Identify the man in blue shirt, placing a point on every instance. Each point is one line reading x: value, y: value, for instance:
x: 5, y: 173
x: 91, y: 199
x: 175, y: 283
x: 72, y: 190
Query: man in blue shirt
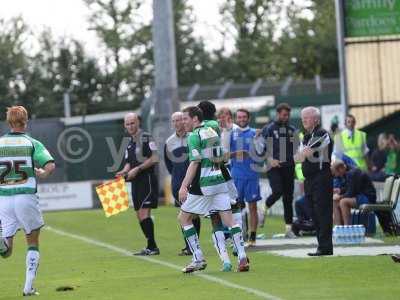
x: 244, y: 167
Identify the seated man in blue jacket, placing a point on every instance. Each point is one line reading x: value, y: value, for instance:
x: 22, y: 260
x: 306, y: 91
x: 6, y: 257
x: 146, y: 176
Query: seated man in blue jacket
x: 357, y: 190
x: 339, y: 184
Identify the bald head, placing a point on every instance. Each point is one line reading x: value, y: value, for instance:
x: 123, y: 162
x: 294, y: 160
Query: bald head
x: 177, y: 122
x: 310, y: 117
x: 131, y: 115
x: 131, y: 123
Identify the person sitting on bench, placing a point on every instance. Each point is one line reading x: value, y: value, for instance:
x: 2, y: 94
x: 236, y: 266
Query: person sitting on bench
x: 358, y: 190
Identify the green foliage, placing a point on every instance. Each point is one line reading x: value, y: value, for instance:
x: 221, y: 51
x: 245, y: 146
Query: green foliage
x: 309, y: 43
x: 126, y: 40
x: 271, y: 38
x: 194, y: 63
x: 306, y: 46
x: 13, y: 62
x: 253, y: 32
x: 64, y: 67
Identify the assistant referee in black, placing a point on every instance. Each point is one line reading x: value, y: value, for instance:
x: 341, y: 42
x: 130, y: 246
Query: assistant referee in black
x: 315, y: 155
x: 141, y: 157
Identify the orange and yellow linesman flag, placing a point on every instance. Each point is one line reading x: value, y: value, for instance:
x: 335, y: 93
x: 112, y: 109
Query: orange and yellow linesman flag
x: 113, y: 196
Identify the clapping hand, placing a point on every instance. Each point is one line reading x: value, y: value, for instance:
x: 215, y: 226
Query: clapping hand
x: 307, y: 152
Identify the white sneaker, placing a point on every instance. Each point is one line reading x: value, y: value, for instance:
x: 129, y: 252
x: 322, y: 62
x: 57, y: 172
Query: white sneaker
x: 32, y: 292
x: 195, y: 266
x: 290, y: 235
x: 250, y: 244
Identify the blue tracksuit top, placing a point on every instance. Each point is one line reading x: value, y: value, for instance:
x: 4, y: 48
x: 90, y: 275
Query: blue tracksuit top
x: 243, y: 139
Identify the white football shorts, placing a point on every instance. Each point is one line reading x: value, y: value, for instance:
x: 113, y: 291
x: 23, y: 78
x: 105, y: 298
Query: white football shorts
x: 20, y: 212
x: 203, y: 205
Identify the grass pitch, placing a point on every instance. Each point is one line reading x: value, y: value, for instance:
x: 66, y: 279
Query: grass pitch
x: 73, y: 268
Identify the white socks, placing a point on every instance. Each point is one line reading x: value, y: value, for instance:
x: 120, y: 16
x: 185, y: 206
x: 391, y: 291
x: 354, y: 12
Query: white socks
x: 237, y: 218
x: 32, y: 264
x: 3, y: 242
x: 218, y: 238
x: 193, y: 242
x: 237, y: 237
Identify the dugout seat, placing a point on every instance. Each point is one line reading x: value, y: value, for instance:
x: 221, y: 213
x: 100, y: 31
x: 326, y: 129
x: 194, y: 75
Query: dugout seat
x: 391, y: 193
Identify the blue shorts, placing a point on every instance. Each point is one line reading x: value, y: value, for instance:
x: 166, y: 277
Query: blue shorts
x: 248, y: 189
x: 363, y: 199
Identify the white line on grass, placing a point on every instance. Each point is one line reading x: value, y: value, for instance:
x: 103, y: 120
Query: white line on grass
x: 226, y: 283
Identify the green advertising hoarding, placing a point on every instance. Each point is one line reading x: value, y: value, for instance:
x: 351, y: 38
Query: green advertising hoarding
x: 365, y: 18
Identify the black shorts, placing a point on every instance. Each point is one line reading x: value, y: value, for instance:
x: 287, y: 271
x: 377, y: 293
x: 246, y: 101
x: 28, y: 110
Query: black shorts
x: 145, y: 191
x: 226, y: 173
x: 175, y: 194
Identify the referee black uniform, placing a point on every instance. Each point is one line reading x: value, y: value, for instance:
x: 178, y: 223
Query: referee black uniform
x: 145, y: 185
x: 318, y: 186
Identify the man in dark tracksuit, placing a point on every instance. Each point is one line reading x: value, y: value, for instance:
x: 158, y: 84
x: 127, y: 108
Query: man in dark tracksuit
x: 315, y: 154
x: 280, y: 142
x: 177, y: 161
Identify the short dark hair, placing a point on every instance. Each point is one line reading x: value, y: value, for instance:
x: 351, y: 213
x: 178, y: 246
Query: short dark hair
x: 283, y: 106
x: 338, y: 164
x: 245, y: 111
x: 351, y: 116
x: 208, y: 109
x: 194, y: 111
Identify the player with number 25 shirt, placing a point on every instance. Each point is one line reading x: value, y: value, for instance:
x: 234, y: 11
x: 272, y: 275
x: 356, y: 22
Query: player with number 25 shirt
x: 22, y: 160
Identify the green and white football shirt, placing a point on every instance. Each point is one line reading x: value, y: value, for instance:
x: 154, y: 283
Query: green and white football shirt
x: 214, y: 125
x: 205, y: 146
x: 19, y: 154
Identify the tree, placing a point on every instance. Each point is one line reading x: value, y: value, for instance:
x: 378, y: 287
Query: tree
x: 127, y: 41
x: 308, y: 44
x: 13, y: 62
x: 125, y: 33
x: 194, y: 64
x: 63, y: 67
x: 252, y: 24
x: 266, y: 48
x: 138, y: 69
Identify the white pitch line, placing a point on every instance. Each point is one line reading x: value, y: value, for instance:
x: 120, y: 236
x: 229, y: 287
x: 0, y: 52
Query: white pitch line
x: 122, y: 251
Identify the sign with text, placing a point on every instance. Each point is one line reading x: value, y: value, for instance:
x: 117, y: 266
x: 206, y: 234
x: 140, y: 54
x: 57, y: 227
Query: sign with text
x: 64, y: 196
x: 365, y: 18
